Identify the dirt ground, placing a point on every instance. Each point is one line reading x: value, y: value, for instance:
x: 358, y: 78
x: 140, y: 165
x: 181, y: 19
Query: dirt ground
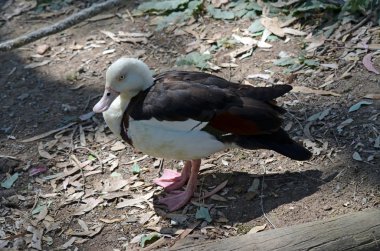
x: 40, y: 99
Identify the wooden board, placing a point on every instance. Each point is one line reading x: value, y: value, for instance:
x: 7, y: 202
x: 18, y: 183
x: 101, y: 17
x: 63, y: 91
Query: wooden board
x: 355, y: 231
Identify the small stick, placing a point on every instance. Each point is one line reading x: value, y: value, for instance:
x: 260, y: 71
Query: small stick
x: 59, y: 26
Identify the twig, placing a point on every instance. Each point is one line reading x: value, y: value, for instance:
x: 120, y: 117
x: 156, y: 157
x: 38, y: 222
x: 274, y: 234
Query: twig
x: 36, y: 198
x: 9, y: 157
x: 366, y: 19
x: 262, y: 200
x: 93, y: 153
x: 59, y: 26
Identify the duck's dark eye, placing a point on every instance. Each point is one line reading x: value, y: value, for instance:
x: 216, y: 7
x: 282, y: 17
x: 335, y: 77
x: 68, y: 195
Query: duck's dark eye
x: 108, y: 93
x: 121, y: 77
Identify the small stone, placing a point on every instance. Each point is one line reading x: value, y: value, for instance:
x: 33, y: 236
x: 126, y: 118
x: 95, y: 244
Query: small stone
x: 327, y: 208
x: 41, y: 49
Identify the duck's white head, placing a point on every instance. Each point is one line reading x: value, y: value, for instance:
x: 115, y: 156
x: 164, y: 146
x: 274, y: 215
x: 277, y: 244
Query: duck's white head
x: 125, y: 77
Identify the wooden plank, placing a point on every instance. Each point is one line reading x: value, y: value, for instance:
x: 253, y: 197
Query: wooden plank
x: 355, y: 231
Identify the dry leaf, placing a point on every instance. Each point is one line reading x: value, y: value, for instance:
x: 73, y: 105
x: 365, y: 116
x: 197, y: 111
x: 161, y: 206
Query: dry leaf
x: 240, y: 51
x: 118, y: 146
x: 111, y: 35
x: 134, y: 201
x: 307, y: 90
x: 372, y: 96
x: 110, y: 221
x: 36, y: 238
x: 114, y: 185
x: 69, y: 243
x: 257, y: 229
x: 294, y: 32
x: 273, y: 25
x: 90, y: 204
x: 367, y: 62
x: 43, y: 153
x: 245, y: 40
x: 43, y: 213
x: 37, y: 64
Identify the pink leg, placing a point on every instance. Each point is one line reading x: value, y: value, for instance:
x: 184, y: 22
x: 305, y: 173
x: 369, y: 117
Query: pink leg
x: 178, y: 199
x: 172, y: 180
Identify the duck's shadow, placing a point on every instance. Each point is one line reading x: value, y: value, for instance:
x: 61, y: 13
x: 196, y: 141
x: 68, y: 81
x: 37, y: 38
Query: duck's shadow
x: 243, y: 205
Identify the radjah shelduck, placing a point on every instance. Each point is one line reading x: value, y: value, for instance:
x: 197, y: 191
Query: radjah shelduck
x: 187, y: 115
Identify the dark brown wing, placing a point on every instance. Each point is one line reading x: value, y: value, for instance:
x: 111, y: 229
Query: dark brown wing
x: 228, y: 107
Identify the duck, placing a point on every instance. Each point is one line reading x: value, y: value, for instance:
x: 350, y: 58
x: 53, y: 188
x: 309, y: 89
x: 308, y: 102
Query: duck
x: 190, y: 115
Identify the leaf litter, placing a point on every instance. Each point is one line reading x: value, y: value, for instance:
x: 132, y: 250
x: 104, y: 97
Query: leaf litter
x: 81, y: 189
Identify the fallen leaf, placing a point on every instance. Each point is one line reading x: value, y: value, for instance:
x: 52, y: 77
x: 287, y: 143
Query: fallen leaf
x: 220, y: 14
x: 43, y: 213
x: 111, y: 221
x: 134, y: 201
x: 68, y: 244
x: 148, y: 239
x: 90, y: 204
x: 358, y: 105
x: 273, y: 25
x: 367, y: 62
x: 343, y: 124
x: 110, y: 35
x: 377, y: 142
x: 8, y: 182
x: 245, y: 40
x: 114, y: 185
x: 37, y: 64
x: 203, y: 214
x: 294, y: 32
x: 257, y: 229
x: 118, y: 146
x: 372, y: 96
x: 307, y: 90
x: 330, y: 66
x: 356, y: 156
x: 259, y: 75
x: 36, y: 238
x: 135, y: 168
x: 240, y: 51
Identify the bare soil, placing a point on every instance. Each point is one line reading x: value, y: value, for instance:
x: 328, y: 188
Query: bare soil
x: 34, y: 101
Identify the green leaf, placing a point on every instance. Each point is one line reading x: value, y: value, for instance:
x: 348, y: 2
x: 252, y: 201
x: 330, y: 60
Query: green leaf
x: 91, y: 157
x: 148, y: 239
x: 357, y: 106
x: 8, y: 183
x: 256, y: 26
x: 311, y: 62
x: 285, y: 61
x: 135, y: 168
x: 203, y: 214
x: 220, y: 14
x: 172, y: 18
x: 195, y: 58
x: 162, y: 6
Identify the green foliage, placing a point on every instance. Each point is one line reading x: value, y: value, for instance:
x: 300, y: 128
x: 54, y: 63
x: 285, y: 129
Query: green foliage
x: 360, y: 6
x: 195, y: 58
x: 163, y: 6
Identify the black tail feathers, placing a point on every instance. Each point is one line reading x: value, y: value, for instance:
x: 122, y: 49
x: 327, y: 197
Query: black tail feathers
x: 278, y: 141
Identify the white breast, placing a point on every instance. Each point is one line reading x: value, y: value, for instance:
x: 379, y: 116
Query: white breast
x: 181, y: 140
x: 114, y: 115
